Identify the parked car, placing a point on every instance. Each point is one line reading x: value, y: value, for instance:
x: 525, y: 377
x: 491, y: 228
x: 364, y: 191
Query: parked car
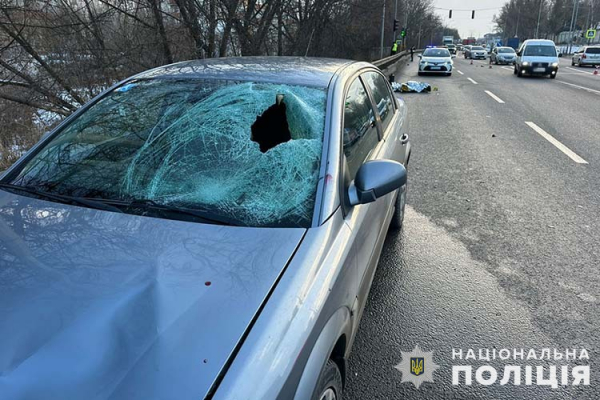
x: 477, y: 52
x: 537, y: 57
x: 152, y: 250
x: 503, y: 55
x: 435, y: 61
x: 586, y: 55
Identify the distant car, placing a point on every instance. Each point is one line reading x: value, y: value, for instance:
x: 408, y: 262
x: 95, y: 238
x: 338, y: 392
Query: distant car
x: 150, y: 250
x: 466, y: 50
x: 477, y: 53
x: 503, y: 55
x: 586, y: 55
x: 537, y: 57
x: 451, y: 48
x: 459, y: 47
x: 436, y: 61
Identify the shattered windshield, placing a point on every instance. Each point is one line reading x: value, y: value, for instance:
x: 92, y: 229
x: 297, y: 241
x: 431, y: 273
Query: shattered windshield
x: 246, y: 151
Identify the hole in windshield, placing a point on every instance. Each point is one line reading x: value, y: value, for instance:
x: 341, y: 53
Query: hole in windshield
x: 189, y: 143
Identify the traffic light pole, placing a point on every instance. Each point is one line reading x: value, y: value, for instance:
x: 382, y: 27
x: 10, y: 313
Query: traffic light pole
x: 382, y: 31
x: 395, y: 20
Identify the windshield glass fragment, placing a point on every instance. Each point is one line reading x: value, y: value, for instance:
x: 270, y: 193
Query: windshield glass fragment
x: 193, y: 144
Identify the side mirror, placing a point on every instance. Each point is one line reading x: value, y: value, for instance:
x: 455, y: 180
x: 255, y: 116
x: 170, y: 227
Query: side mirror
x: 375, y: 179
x: 420, y: 56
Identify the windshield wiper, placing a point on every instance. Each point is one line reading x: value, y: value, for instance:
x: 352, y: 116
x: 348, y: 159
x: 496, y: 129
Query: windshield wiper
x: 100, y: 204
x: 151, y: 204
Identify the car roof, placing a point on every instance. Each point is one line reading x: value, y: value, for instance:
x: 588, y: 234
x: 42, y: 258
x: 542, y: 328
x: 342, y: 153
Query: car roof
x: 306, y: 71
x: 539, y: 42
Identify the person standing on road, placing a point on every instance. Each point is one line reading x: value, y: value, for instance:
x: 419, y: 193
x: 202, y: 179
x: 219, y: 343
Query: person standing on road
x: 412, y: 52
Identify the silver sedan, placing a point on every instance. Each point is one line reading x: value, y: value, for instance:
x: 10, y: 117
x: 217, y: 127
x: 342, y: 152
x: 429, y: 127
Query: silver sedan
x: 204, y: 229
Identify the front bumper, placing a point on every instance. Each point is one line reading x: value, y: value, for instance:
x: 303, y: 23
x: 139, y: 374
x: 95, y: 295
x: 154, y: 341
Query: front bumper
x: 539, y: 70
x: 433, y: 69
x: 506, y: 60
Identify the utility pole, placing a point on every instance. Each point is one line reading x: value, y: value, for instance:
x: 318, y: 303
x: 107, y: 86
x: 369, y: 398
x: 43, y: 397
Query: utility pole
x: 382, y: 31
x: 573, y: 16
x: 537, y: 29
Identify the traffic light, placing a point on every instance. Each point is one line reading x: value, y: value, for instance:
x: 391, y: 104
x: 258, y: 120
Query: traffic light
x: 450, y: 14
x: 473, y: 14
x: 396, y: 25
x: 403, y: 33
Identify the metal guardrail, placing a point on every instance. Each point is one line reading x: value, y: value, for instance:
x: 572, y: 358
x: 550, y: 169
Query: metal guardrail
x: 387, y: 61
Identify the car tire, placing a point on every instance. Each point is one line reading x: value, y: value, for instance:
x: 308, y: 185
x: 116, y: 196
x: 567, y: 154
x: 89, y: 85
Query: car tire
x: 515, y: 70
x: 399, y: 209
x: 329, y: 385
x: 572, y: 63
x: 552, y: 76
x: 520, y: 73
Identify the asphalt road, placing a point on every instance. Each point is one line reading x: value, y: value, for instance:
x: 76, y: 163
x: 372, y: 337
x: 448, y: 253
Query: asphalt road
x: 501, y: 245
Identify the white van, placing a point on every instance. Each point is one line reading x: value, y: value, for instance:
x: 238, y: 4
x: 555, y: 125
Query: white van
x: 537, y: 57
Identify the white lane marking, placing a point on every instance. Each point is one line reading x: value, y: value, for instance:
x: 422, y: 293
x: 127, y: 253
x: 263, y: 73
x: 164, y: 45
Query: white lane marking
x: 493, y: 96
x: 459, y: 72
x: 474, y: 83
x: 580, y: 87
x: 509, y: 69
x: 578, y: 70
x: 556, y: 143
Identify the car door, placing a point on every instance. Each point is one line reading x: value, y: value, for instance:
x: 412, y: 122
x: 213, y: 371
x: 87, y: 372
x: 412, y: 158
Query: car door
x: 361, y: 143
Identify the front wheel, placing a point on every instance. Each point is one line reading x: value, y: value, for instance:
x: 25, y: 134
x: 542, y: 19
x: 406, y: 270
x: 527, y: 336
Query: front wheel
x: 572, y: 63
x: 329, y: 386
x: 552, y: 76
x: 399, y: 209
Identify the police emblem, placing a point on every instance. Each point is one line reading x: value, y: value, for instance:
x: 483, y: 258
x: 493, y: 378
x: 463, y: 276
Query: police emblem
x: 417, y: 366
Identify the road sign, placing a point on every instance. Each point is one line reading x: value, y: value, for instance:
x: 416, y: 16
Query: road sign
x: 590, y: 34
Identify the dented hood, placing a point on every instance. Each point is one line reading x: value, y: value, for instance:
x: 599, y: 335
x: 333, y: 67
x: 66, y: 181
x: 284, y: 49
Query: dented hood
x: 103, y: 305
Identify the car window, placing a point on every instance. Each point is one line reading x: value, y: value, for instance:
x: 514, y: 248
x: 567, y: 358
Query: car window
x: 593, y: 50
x: 476, y: 48
x: 193, y: 144
x: 360, y: 133
x: 381, y: 96
x: 436, y: 53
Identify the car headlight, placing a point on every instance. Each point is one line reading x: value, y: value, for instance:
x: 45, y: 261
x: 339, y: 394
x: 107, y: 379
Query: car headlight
x: 423, y: 62
x: 525, y: 63
x: 555, y: 64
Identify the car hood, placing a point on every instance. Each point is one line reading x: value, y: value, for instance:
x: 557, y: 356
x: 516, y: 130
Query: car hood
x: 437, y: 60
x: 103, y: 305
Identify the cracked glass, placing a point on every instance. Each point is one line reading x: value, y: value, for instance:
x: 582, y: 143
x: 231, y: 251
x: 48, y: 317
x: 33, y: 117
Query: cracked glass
x: 187, y: 143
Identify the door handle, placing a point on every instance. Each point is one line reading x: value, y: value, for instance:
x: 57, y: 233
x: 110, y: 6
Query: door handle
x: 404, y: 139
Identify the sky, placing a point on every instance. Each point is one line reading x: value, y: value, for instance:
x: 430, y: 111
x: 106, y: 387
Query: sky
x: 461, y: 20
